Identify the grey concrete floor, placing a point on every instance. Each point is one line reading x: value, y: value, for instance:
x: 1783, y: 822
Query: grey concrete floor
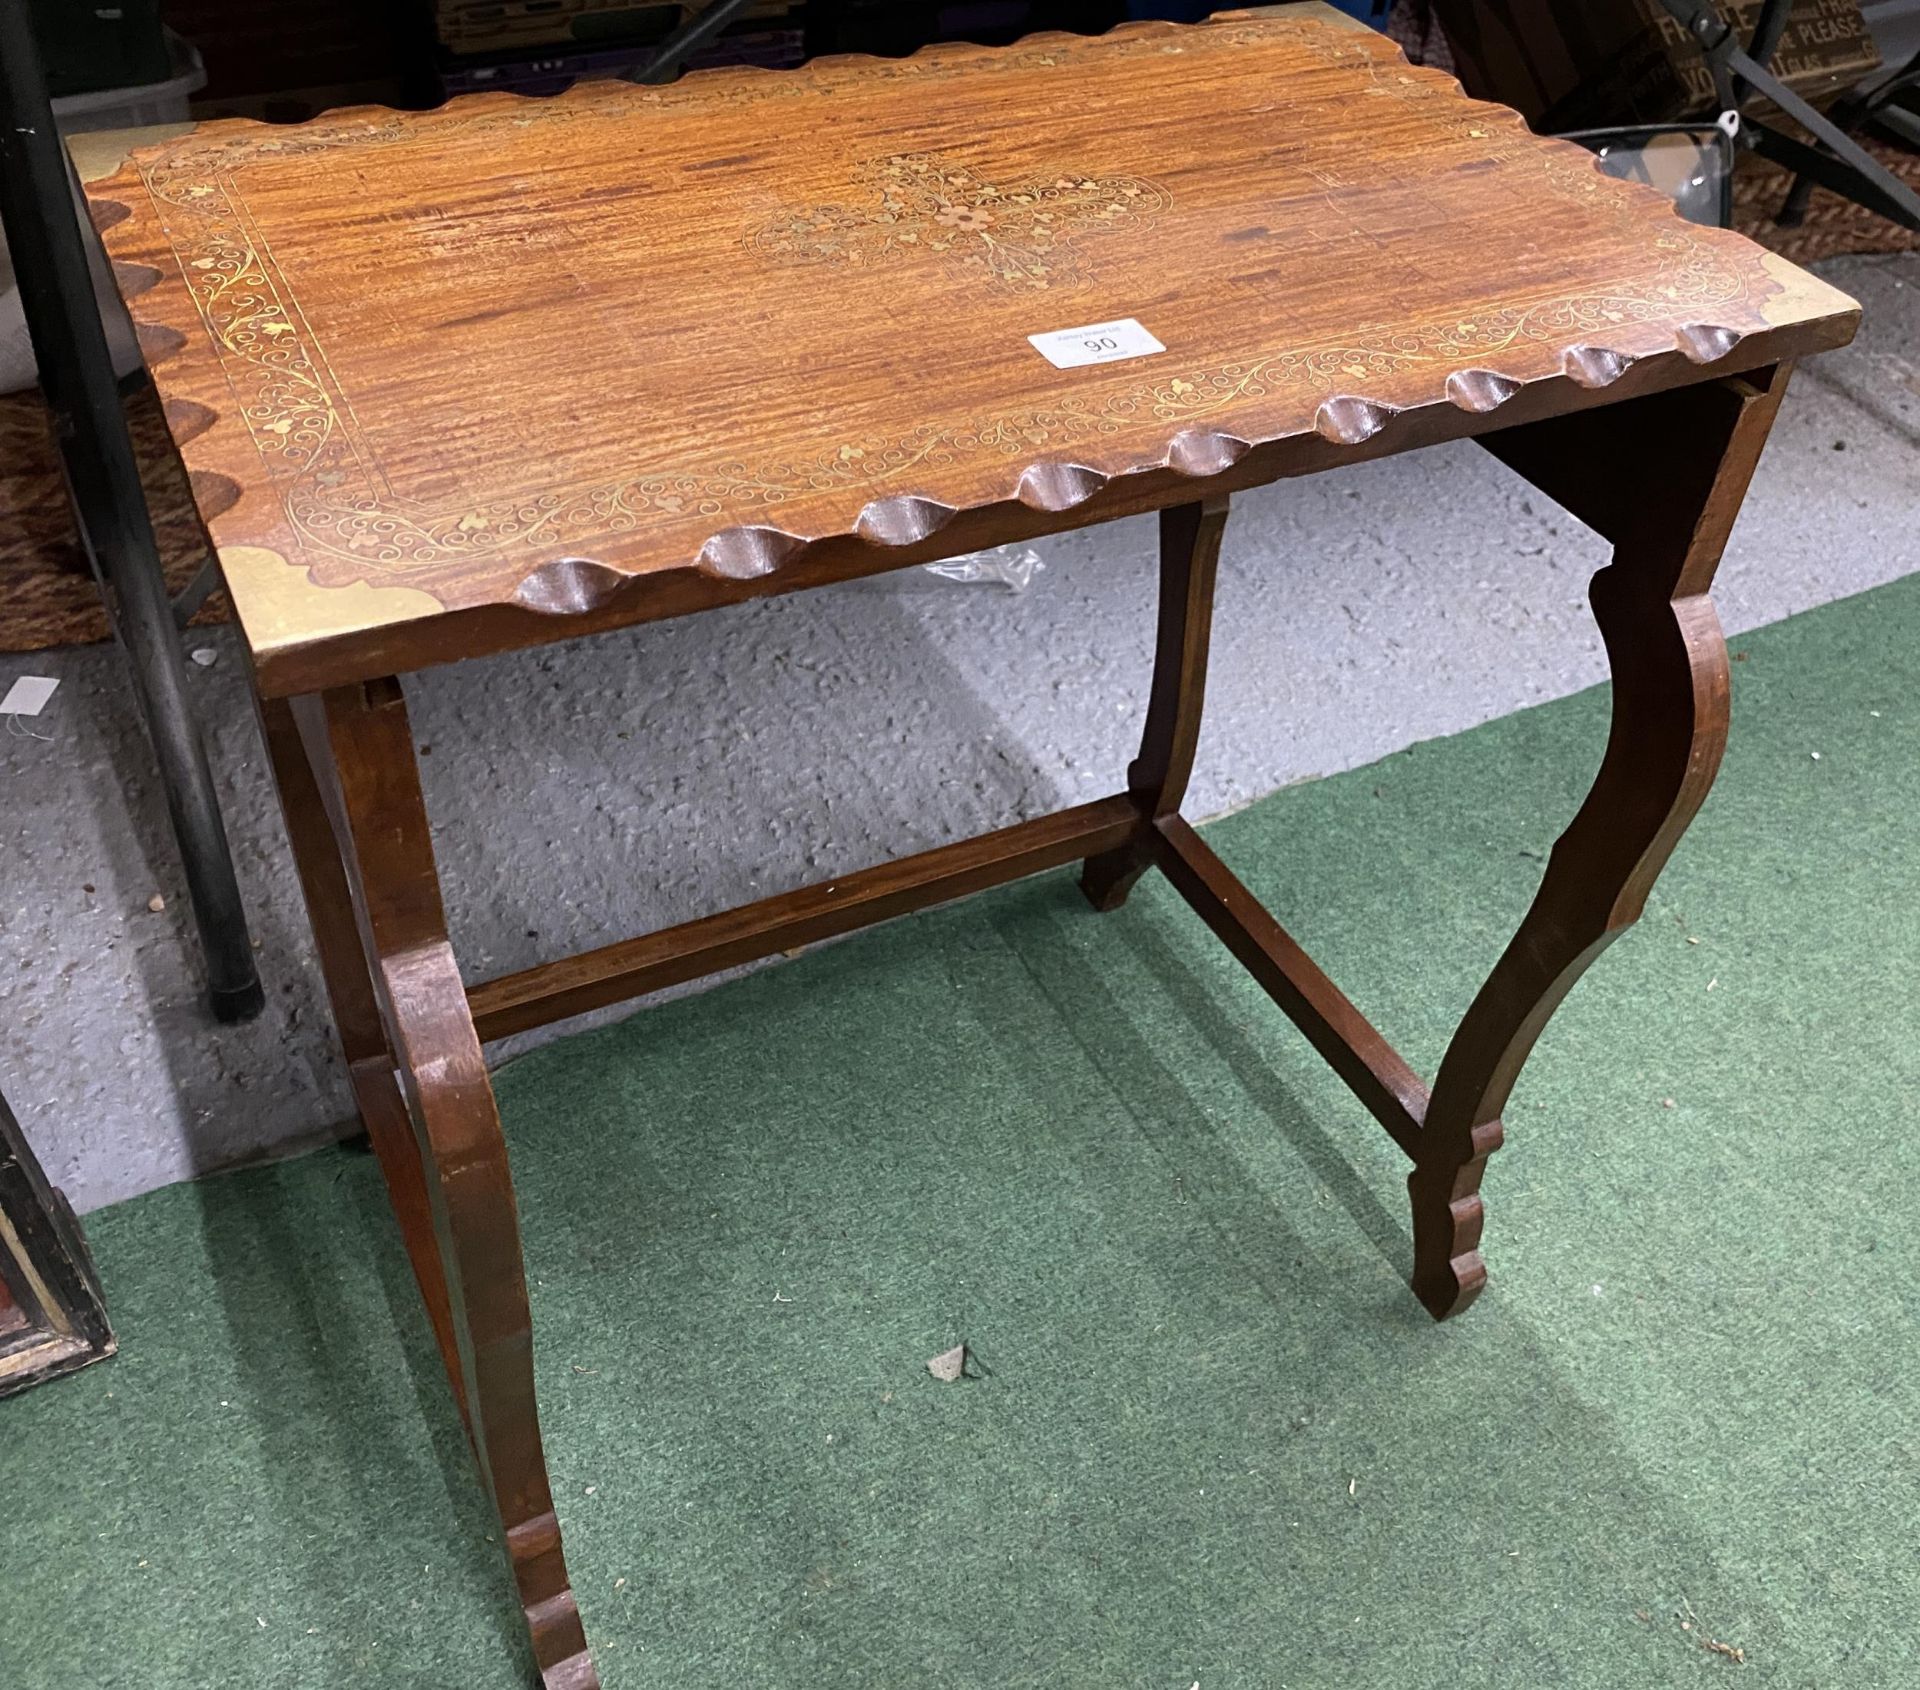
x: 590, y: 791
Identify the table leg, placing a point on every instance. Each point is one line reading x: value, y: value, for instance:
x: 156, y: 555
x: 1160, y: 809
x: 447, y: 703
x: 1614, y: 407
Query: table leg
x: 1662, y: 478
x: 346, y: 767
x: 357, y: 1019
x: 1157, y: 778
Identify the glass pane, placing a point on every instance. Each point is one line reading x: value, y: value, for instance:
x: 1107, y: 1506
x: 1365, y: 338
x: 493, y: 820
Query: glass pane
x: 1689, y: 166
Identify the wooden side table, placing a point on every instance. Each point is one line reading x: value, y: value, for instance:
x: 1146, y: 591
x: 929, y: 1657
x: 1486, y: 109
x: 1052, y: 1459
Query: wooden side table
x: 511, y: 372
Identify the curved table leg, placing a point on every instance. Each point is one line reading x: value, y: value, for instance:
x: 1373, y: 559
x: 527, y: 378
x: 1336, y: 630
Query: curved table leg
x: 1157, y: 778
x: 437, y: 1131
x: 1670, y: 694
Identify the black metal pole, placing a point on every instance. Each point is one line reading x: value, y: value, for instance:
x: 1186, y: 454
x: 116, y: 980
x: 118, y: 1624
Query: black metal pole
x: 696, y: 32
x: 76, y: 372
x: 1847, y: 114
x: 1768, y: 28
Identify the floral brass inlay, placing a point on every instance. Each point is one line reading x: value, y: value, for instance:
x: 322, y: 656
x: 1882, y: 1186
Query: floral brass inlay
x: 1023, y: 236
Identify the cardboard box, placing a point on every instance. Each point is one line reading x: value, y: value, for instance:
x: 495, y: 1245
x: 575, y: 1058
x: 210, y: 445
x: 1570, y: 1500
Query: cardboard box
x: 1827, y: 48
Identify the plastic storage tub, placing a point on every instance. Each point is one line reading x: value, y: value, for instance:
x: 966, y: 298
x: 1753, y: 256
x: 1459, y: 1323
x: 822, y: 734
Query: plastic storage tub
x: 136, y: 107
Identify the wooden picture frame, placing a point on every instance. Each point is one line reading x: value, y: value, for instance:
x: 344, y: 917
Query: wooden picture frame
x: 53, y: 1319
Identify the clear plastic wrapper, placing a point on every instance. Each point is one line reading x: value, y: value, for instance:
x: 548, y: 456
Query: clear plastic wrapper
x: 1011, y: 567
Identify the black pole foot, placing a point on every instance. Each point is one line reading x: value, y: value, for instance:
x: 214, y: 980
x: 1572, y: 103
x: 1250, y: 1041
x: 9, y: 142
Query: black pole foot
x: 233, y: 1004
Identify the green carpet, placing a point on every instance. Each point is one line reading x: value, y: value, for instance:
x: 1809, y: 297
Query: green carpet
x: 1216, y: 1442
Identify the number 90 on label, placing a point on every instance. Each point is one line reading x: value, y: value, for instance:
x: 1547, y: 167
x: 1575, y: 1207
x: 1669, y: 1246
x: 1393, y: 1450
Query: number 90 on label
x: 1096, y: 343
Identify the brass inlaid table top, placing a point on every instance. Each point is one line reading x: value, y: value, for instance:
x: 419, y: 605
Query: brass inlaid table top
x: 472, y: 378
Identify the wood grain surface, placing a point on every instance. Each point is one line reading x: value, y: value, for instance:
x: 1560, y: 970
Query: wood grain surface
x: 513, y: 370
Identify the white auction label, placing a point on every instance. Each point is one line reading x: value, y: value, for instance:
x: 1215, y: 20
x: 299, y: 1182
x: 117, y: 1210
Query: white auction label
x: 28, y: 696
x: 1097, y: 343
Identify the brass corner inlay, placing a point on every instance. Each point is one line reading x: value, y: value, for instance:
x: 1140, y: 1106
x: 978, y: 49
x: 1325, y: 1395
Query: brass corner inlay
x: 280, y: 606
